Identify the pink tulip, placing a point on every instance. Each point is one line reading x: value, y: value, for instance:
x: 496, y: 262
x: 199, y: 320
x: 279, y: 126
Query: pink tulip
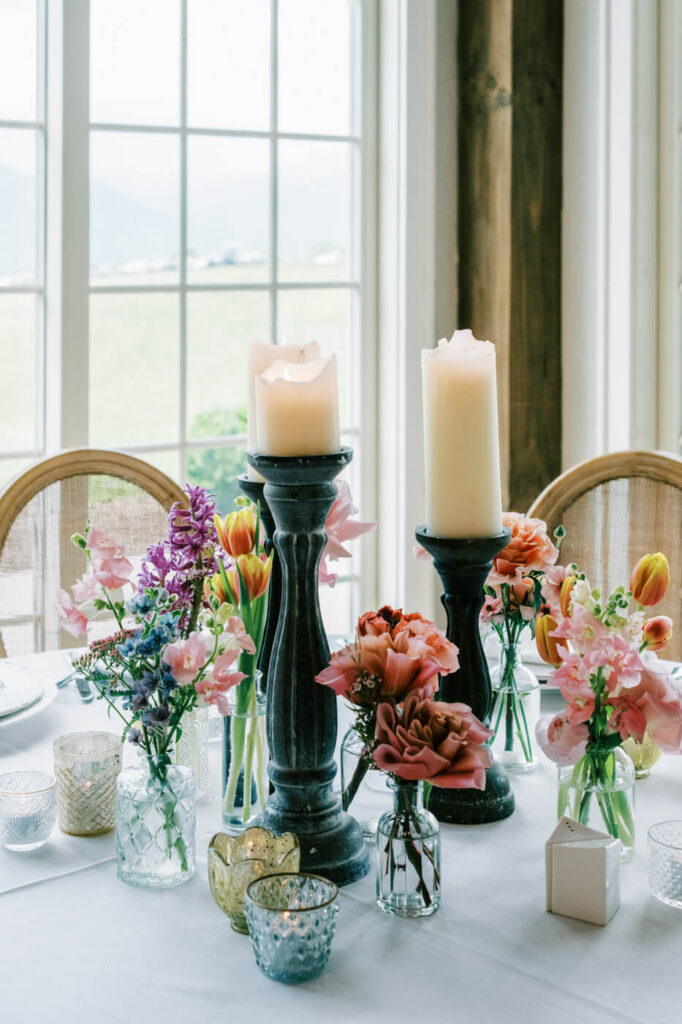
x: 432, y: 740
x: 185, y: 658
x: 561, y: 740
x: 72, y: 618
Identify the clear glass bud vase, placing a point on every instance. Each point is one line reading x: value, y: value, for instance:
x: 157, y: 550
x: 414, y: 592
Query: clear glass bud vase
x: 516, y: 709
x: 361, y: 784
x: 192, y: 747
x: 245, y: 756
x: 408, y: 854
x: 155, y: 823
x: 599, y: 791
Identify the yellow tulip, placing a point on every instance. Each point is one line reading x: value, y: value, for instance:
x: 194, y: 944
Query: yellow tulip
x: 547, y: 646
x: 255, y: 573
x: 650, y: 579
x: 565, y: 595
x: 236, y: 532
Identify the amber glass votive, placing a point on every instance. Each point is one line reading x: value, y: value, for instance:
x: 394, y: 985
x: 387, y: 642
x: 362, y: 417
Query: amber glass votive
x: 87, y: 765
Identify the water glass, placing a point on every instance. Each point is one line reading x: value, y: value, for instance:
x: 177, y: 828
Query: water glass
x: 87, y: 766
x: 28, y: 809
x: 665, y: 862
x: 291, y: 919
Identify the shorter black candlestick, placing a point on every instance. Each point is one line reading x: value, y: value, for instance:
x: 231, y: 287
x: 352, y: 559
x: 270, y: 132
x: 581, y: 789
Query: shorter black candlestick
x: 253, y: 489
x: 463, y: 566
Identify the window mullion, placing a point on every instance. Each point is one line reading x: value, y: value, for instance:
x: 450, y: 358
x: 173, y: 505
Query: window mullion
x: 274, y: 243
x: 183, y: 242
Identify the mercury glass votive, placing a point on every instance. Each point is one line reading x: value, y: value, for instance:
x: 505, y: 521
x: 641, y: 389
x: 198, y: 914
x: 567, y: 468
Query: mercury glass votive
x: 665, y: 862
x: 292, y: 920
x: 87, y: 765
x: 28, y: 809
x: 235, y: 861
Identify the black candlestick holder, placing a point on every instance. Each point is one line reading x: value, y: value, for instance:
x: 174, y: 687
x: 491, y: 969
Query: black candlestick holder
x: 253, y: 489
x: 463, y: 566
x: 301, y: 714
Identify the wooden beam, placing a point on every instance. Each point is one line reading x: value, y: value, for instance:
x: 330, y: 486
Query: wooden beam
x: 509, y: 223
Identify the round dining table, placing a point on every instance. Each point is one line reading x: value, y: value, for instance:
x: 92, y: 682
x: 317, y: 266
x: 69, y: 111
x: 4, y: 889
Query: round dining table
x: 77, y: 945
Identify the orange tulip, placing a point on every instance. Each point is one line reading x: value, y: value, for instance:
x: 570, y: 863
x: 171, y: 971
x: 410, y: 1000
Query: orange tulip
x: 656, y: 632
x: 255, y: 573
x: 565, y: 595
x: 650, y: 579
x: 547, y: 646
x: 236, y: 532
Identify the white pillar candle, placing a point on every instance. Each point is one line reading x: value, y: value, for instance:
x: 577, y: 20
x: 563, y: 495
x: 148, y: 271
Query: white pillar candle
x: 297, y: 408
x: 261, y: 356
x: 461, y: 443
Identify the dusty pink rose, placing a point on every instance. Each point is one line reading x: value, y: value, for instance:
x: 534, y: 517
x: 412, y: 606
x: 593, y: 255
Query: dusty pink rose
x: 561, y: 740
x: 185, y: 658
x: 72, y: 618
x: 372, y: 669
x: 529, y: 548
x: 340, y: 528
x: 432, y: 740
x: 112, y: 573
x: 395, y: 621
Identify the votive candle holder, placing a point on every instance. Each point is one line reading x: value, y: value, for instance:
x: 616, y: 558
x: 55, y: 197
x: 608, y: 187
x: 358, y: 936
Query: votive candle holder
x: 87, y: 765
x: 28, y: 809
x: 292, y: 920
x: 665, y: 862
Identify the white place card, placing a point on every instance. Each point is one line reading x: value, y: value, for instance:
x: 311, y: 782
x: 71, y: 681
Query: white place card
x: 582, y: 872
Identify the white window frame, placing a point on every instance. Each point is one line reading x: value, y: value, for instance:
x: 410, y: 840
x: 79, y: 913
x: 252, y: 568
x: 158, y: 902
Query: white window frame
x: 68, y: 279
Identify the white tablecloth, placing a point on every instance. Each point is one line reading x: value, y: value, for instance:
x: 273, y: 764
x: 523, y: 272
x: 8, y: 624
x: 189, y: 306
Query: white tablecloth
x: 79, y: 946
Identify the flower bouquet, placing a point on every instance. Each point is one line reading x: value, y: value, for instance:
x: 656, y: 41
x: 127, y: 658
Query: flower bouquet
x: 243, y: 584
x: 614, y: 689
x: 170, y: 654
x: 513, y: 599
x: 389, y: 676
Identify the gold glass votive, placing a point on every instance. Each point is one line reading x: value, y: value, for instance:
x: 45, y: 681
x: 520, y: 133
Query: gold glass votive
x: 86, y: 767
x: 235, y: 861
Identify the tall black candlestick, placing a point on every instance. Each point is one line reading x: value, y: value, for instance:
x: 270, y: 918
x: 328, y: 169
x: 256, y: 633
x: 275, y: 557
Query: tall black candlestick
x: 301, y: 714
x: 253, y: 489
x: 463, y: 566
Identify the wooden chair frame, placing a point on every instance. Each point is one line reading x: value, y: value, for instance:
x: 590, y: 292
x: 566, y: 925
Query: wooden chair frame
x: 83, y: 462
x: 550, y: 505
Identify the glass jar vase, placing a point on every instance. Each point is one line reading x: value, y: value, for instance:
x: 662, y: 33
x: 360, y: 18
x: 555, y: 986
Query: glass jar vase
x: 360, y: 783
x: 192, y: 747
x: 245, y: 756
x: 515, y: 712
x: 599, y: 791
x: 408, y: 854
x: 155, y: 823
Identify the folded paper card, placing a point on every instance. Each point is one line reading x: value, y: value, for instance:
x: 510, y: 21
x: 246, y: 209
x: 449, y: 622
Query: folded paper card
x: 583, y: 872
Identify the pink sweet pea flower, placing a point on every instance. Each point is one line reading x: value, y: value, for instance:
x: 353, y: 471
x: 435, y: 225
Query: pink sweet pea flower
x: 112, y: 573
x: 561, y: 740
x: 621, y: 661
x: 580, y: 700
x: 100, y: 545
x: 583, y: 629
x: 627, y: 719
x: 237, y: 630
x: 551, y: 588
x: 659, y: 700
x: 212, y: 689
x: 185, y: 658
x: 86, y: 588
x: 340, y: 528
x: 72, y: 618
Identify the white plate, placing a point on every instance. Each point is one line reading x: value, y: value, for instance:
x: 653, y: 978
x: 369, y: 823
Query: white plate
x: 49, y: 693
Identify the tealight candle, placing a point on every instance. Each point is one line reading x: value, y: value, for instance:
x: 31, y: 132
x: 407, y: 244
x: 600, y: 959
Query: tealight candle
x: 261, y: 357
x: 297, y: 408
x: 87, y: 765
x: 461, y: 444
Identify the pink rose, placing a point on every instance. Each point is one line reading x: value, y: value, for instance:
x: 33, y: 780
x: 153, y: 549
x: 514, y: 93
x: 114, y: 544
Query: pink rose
x: 72, y: 618
x: 529, y: 548
x: 185, y: 658
x: 376, y: 668
x: 432, y: 740
x: 561, y: 740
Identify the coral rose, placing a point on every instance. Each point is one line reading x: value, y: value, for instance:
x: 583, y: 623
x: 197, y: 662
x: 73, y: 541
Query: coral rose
x: 434, y: 741
x: 374, y: 669
x: 529, y: 548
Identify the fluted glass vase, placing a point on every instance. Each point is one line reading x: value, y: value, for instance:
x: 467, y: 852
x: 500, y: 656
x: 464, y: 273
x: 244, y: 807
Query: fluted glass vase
x: 155, y: 823
x: 192, y: 747
x: 408, y: 854
x: 516, y: 709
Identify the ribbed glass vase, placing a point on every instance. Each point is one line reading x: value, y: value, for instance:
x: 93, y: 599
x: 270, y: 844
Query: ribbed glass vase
x: 245, y: 756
